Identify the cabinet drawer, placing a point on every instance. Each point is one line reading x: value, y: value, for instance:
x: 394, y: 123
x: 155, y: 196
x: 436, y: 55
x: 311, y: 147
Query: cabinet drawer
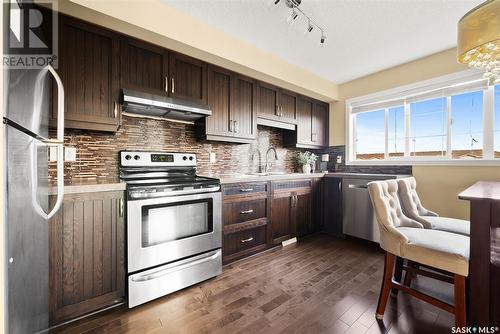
x: 244, y: 240
x: 239, y: 212
x: 243, y: 189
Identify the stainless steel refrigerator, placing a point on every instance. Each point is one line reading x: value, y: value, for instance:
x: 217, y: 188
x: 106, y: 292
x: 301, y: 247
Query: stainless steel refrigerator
x: 27, y: 102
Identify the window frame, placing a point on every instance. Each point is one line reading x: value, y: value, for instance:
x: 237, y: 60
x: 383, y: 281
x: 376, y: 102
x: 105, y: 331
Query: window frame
x: 401, y: 93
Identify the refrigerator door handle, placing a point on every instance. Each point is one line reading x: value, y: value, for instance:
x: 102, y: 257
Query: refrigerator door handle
x: 60, y: 154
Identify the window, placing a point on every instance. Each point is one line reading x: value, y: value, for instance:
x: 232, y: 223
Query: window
x: 467, y: 126
x: 396, y: 132
x: 497, y: 122
x: 428, y: 127
x: 370, y: 135
x: 444, y: 120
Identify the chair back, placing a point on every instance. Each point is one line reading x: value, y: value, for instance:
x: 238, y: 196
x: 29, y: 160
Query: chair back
x: 410, y: 202
x: 385, y: 200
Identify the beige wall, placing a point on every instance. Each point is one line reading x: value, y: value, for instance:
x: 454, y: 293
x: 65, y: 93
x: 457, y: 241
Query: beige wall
x: 438, y: 186
x: 161, y: 24
x: 2, y: 192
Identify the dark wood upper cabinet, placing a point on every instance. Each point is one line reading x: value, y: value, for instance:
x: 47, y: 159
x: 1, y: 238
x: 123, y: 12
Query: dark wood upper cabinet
x: 268, y: 101
x: 243, y: 113
x: 276, y: 105
x: 88, y: 67
x: 312, y: 125
x: 188, y: 78
x: 304, y: 118
x: 319, y: 124
x: 219, y: 101
x: 143, y: 66
x: 86, y: 255
x: 232, y: 99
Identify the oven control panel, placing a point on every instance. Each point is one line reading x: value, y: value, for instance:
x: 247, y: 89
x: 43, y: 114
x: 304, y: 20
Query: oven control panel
x: 163, y: 159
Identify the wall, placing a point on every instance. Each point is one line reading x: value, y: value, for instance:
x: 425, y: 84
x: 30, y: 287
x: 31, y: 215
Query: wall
x: 97, y: 152
x: 438, y: 186
x: 161, y: 24
x: 2, y: 200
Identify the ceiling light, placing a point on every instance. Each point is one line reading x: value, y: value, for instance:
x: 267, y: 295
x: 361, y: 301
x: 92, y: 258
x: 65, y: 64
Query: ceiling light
x: 310, y: 28
x: 292, y: 16
x: 296, y: 10
x: 478, y: 42
x: 323, y: 38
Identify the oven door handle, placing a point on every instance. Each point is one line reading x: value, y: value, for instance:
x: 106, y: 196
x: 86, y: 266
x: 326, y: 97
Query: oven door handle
x: 163, y: 272
x: 174, y: 193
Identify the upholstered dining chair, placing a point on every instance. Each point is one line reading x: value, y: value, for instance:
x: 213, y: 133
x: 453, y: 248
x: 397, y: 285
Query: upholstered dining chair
x: 413, y: 209
x: 445, y: 254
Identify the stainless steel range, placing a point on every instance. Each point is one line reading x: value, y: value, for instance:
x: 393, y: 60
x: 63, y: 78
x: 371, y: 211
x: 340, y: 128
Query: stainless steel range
x: 173, y: 224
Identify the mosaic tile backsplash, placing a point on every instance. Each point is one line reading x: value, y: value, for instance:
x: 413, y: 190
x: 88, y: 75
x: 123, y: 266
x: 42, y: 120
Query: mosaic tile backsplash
x: 97, y: 152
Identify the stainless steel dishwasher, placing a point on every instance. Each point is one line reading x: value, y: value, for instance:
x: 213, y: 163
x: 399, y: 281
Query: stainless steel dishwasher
x: 358, y: 216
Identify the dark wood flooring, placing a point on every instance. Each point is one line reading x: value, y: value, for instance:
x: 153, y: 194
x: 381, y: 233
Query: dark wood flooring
x: 320, y: 285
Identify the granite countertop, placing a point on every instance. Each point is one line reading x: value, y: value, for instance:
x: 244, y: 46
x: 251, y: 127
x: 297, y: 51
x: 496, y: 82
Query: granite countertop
x: 275, y: 177
x: 89, y: 185
x: 366, y: 175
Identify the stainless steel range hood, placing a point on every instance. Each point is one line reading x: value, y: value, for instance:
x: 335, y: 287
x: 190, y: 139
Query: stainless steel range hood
x: 136, y: 103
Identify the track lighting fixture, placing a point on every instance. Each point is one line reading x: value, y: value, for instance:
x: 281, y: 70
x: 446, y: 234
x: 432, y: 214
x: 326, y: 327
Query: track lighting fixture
x: 294, y: 6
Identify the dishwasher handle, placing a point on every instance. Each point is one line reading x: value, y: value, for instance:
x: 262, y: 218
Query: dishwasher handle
x: 357, y: 186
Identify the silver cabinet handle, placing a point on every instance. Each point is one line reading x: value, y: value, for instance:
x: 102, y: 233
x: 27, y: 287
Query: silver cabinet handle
x: 116, y: 109
x: 60, y: 152
x: 246, y: 240
x: 245, y: 212
x: 235, y: 126
x: 230, y: 125
x: 314, y: 137
x: 173, y: 85
x: 281, y: 111
x: 121, y: 207
x: 246, y: 190
x: 166, y: 84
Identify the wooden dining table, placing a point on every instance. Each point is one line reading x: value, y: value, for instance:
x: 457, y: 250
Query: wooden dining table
x: 484, y: 262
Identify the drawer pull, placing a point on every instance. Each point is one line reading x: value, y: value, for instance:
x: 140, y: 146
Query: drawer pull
x: 246, y: 240
x: 246, y: 190
x: 244, y: 212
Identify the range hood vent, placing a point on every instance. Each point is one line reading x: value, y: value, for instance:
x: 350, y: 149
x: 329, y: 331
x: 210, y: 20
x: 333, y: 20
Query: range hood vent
x: 143, y: 104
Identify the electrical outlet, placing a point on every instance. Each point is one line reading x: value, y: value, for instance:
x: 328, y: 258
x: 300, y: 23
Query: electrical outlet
x: 213, y: 159
x: 339, y: 159
x: 70, y: 154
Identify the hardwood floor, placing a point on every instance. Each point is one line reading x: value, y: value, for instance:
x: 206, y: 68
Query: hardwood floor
x: 320, y: 285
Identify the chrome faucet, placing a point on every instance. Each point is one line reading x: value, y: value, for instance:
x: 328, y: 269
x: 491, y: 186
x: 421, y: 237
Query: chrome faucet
x: 268, y: 164
x: 259, y: 170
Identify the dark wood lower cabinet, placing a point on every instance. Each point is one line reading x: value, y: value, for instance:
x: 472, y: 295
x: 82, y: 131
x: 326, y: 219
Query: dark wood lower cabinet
x: 87, y: 255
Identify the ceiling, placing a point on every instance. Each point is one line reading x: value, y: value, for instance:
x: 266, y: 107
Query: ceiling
x: 363, y: 36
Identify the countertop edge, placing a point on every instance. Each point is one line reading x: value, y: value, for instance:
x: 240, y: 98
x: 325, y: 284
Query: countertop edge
x: 89, y: 188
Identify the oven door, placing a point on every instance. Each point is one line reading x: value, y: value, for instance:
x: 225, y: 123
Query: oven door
x: 166, y: 229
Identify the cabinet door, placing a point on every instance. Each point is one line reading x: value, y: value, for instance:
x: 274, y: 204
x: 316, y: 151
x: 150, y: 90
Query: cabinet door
x: 304, y: 117
x: 332, y: 198
x: 288, y: 106
x: 302, y: 213
x: 268, y: 101
x: 319, y: 134
x: 143, y: 66
x: 281, y: 222
x: 243, y: 113
x: 88, y: 67
x: 219, y: 101
x: 87, y: 251
x: 188, y: 78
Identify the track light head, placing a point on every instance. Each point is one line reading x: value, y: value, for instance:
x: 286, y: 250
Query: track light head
x: 310, y: 28
x: 292, y: 16
x: 323, y: 38
x: 276, y: 2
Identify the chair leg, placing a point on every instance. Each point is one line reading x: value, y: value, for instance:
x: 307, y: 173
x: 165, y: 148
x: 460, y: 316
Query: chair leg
x: 398, y: 272
x: 460, y: 306
x: 386, y: 285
